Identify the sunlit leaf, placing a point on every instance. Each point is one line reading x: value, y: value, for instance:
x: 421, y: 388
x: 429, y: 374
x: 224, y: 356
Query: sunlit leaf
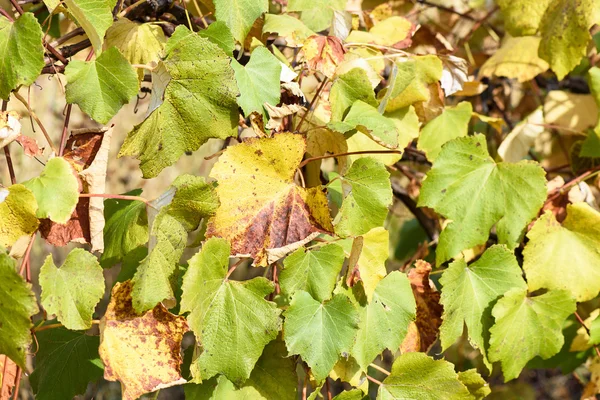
x: 346, y: 89
x: 453, y: 123
x: 516, y: 58
x: 239, y: 15
x: 316, y: 14
x: 17, y: 214
x: 94, y: 16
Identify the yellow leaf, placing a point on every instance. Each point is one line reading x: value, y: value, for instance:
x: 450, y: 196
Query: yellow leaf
x: 323, y: 53
x: 142, y: 351
x: 576, y: 112
x: 394, y: 31
x: 518, y: 142
x: 263, y: 213
x: 516, y: 58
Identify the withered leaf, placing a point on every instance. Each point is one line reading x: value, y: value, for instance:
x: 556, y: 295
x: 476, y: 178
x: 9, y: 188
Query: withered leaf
x: 323, y: 54
x: 8, y: 377
x: 142, y: 351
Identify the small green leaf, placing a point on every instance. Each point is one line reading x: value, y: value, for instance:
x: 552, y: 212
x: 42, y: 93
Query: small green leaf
x: 219, y: 34
x: 22, y: 55
x: 451, y: 124
x: 565, y: 257
x: 463, y: 179
x: 56, y: 190
x: 239, y: 15
x: 126, y: 228
x: 94, y: 16
x: 288, y: 27
x: 274, y: 375
x: 65, y: 363
x: 17, y: 214
x: 346, y: 89
x: 194, y: 199
x: 384, y: 321
x: 595, y: 331
x: 469, y: 290
x: 369, y: 194
x: 526, y: 327
x: 102, y: 86
x: 417, y: 376
x: 314, y: 271
x: 476, y: 385
x: 316, y: 14
x: 18, y: 305
x: 258, y: 81
x: 320, y: 332
x: 231, y: 319
x: 72, y: 291
x: 366, y: 119
x: 199, y: 104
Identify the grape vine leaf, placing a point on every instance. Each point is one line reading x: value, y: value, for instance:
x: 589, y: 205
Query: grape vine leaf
x: 368, y: 254
x: 366, y: 119
x: 22, y: 57
x: 219, y: 34
x: 139, y: 43
x: 410, y: 82
x: 368, y: 196
x: 231, y: 319
x: 288, y: 27
x: 353, y: 394
x: 320, y: 332
x: 17, y: 214
x: 451, y: 124
x: 469, y: 290
x: 56, y: 190
x: 418, y: 376
x: 565, y: 33
x: 199, y: 104
x: 466, y: 186
x: 523, y: 17
x: 476, y: 385
x: 276, y: 216
x: 193, y: 199
x: 126, y: 228
x: 346, y: 89
x: 142, y: 351
x: 564, y: 256
x: 239, y: 15
x: 72, y: 291
x: 314, y: 271
x: 316, y: 14
x: 274, y: 375
x: 219, y: 387
x: 102, y: 86
x: 65, y: 363
x: 94, y: 16
x: 394, y: 31
x: 18, y: 305
x: 517, y: 58
x: 258, y: 81
x: 384, y: 321
x: 526, y: 327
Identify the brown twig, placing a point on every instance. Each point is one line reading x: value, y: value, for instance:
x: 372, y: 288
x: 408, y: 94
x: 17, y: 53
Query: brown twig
x: 65, y: 131
x: 312, y: 103
x: 233, y: 268
x: 17, y: 6
x: 116, y: 196
x: 558, y: 191
x: 374, y: 380
x: 11, y: 169
x: 37, y: 120
x: 25, y: 262
x: 6, y: 14
x: 582, y: 322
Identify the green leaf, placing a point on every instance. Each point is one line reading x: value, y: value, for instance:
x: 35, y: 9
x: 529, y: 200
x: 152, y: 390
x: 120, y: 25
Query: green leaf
x: 231, y: 319
x: 320, y: 332
x: 384, y: 321
x: 258, y: 81
x: 18, y: 305
x: 526, y: 327
x: 410, y: 80
x: 126, y: 228
x: 354, y: 394
x: 476, y: 385
x: 288, y: 27
x: 346, y: 89
x: 369, y: 194
x: 72, y: 291
x: 22, y: 55
x: 417, y: 376
x: 565, y: 257
x: 366, y: 119
x: 56, y: 190
x: 94, y: 16
x: 239, y: 15
x: 466, y: 186
x: 469, y: 290
x: 595, y: 331
x: 219, y: 34
x: 316, y: 14
x: 199, y: 104
x: 522, y: 17
x: 314, y: 271
x: 102, y: 86
x: 274, y: 375
x: 369, y: 253
x: 17, y: 214
x: 65, y: 363
x: 194, y: 199
x: 565, y: 33
x: 451, y: 124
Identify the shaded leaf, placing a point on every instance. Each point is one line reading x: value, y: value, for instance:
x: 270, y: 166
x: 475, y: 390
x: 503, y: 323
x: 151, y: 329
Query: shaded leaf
x: 519, y: 141
x: 476, y: 385
x: 17, y: 214
x: 316, y: 14
x: 219, y: 34
x: 369, y: 254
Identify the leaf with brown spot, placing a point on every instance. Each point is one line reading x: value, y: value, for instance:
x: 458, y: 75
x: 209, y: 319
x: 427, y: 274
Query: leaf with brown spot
x: 323, y: 53
x: 424, y: 331
x: 142, y: 351
x: 262, y: 210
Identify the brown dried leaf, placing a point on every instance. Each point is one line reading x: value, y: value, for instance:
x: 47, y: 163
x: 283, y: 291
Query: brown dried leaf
x: 10, y: 127
x: 77, y: 229
x: 8, y: 377
x: 423, y: 333
x: 323, y: 53
x: 30, y: 146
x: 142, y: 351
